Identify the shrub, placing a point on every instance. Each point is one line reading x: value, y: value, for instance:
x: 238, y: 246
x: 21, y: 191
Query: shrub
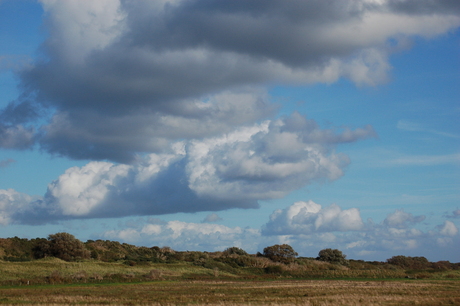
x: 62, y: 245
x: 332, y: 256
x: 407, y: 262
x: 235, y: 251
x: 280, y: 253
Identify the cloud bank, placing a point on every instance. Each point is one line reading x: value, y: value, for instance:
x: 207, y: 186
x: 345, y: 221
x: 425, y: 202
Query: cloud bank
x: 121, y: 78
x: 308, y: 227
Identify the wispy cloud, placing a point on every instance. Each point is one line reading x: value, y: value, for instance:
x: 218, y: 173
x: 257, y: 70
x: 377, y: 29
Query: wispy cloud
x: 5, y: 163
x: 411, y: 126
x: 425, y: 160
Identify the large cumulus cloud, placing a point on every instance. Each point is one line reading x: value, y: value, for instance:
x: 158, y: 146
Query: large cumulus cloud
x: 236, y: 170
x: 120, y: 77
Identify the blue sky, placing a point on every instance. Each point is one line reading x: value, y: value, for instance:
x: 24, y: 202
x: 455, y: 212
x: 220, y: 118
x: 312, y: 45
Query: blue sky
x: 202, y: 125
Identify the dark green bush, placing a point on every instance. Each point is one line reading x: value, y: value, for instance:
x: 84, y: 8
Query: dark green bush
x: 235, y: 251
x: 62, y: 245
x: 332, y: 256
x: 407, y: 262
x: 280, y: 253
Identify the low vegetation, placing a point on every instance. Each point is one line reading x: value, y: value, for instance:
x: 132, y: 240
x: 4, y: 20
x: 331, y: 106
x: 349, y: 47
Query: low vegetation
x: 61, y: 258
x: 276, y: 276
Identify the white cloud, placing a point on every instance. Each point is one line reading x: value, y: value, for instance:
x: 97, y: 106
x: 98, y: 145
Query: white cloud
x: 12, y: 202
x: 231, y: 171
x: 307, y: 225
x: 309, y: 217
x: 79, y: 190
x: 448, y: 229
x: 189, y: 236
x: 369, y: 241
x: 79, y: 27
x: 400, y: 219
x: 254, y: 163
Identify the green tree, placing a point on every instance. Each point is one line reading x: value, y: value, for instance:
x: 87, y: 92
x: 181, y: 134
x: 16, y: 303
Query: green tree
x: 332, y: 256
x: 281, y: 253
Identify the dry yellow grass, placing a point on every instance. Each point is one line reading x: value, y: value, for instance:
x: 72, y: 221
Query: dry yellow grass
x: 284, y: 292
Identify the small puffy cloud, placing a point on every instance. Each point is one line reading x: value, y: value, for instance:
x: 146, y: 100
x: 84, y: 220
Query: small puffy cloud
x: 308, y: 218
x: 189, y: 236
x: 448, y: 229
x: 309, y: 227
x: 212, y: 218
x: 371, y: 241
x: 400, y: 219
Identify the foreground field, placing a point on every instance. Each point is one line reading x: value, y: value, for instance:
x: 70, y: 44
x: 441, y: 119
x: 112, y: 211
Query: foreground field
x: 224, y: 292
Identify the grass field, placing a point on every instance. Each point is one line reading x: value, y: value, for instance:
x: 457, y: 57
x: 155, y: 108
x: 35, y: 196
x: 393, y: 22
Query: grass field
x: 52, y: 281
x: 255, y: 292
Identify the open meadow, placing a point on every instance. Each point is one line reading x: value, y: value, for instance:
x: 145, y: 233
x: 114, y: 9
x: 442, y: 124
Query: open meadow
x: 48, y: 272
x: 247, y: 292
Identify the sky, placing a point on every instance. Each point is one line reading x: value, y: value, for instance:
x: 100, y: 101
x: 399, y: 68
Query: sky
x: 206, y: 124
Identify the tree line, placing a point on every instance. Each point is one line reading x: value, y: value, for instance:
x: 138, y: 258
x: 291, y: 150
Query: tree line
x: 66, y: 247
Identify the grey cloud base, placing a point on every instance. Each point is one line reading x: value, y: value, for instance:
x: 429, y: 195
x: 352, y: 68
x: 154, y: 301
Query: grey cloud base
x: 117, y: 78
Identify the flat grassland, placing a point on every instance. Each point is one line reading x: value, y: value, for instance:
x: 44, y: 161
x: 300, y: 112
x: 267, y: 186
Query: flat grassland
x: 52, y: 281
x: 240, y: 292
